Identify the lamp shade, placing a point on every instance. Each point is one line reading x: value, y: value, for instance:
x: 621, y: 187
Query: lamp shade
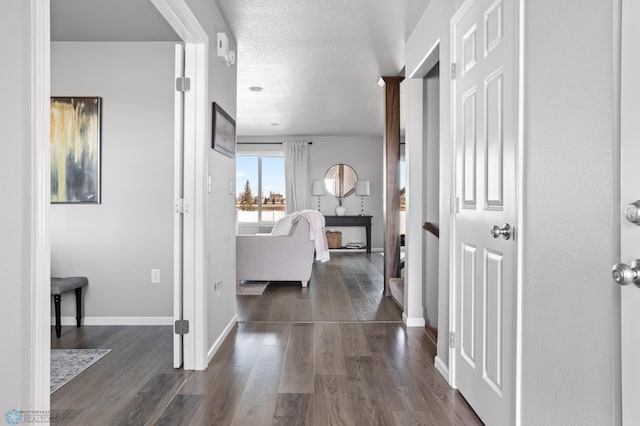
x: 318, y: 188
x: 363, y: 187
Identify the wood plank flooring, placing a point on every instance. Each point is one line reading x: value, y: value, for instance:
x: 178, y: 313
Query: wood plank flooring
x: 347, y: 288
x: 288, y: 367
x: 131, y: 385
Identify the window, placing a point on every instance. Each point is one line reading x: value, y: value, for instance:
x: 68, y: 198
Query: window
x: 260, y: 188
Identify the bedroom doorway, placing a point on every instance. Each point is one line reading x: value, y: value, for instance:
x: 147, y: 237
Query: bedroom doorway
x: 157, y: 65
x: 130, y: 72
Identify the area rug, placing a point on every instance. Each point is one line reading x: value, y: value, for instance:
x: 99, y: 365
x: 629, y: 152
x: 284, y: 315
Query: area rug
x: 68, y: 363
x: 251, y: 288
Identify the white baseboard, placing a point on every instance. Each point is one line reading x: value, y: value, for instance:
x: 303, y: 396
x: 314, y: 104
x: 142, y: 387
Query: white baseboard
x: 442, y: 368
x: 413, y: 321
x: 214, y: 348
x: 116, y: 321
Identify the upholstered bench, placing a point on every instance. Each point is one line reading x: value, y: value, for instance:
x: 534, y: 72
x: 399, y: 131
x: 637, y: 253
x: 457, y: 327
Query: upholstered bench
x: 63, y: 285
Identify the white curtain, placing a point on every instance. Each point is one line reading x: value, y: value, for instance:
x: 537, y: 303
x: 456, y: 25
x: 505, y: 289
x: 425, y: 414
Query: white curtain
x: 296, y: 176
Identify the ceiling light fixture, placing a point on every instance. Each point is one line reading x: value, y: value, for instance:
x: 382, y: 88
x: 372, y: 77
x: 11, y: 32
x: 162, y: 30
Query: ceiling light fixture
x: 256, y: 89
x: 274, y: 124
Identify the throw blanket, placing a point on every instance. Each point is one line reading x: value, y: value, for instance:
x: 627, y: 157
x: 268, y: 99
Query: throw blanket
x: 316, y: 224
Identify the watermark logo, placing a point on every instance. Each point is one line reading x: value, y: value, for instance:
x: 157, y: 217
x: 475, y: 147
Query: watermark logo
x: 13, y: 417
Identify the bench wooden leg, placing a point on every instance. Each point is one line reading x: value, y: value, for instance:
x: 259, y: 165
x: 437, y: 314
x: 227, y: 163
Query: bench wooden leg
x: 56, y: 302
x: 78, y: 306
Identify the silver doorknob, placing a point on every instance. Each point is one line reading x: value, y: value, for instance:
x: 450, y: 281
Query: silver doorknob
x: 504, y: 231
x: 632, y: 212
x: 624, y: 274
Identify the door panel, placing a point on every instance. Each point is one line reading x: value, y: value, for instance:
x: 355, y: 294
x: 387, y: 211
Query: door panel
x: 494, y: 141
x: 492, y: 321
x: 469, y: 137
x: 468, y: 302
x: 485, y: 122
x: 493, y: 27
x: 469, y: 49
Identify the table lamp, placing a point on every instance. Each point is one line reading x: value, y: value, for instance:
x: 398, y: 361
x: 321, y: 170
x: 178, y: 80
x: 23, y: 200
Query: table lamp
x: 318, y: 189
x: 363, y: 189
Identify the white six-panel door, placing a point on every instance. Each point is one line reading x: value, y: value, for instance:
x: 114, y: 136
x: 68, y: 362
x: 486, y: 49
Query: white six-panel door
x: 485, y: 117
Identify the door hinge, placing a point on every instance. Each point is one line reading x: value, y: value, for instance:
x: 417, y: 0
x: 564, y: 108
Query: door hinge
x: 183, y: 84
x: 182, y: 205
x: 455, y: 205
x: 182, y: 327
x: 452, y: 339
x: 453, y: 70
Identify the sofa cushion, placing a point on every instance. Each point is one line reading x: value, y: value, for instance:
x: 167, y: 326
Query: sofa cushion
x: 284, y: 224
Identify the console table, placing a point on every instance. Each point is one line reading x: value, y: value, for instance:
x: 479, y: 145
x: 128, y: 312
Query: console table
x: 352, y: 221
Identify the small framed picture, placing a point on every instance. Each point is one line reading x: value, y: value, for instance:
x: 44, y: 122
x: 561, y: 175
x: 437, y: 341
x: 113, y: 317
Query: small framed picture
x: 223, y: 134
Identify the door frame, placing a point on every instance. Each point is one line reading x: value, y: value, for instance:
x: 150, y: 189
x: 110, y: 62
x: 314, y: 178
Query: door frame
x: 180, y: 17
x: 413, y: 314
x: 196, y: 46
x: 519, y: 225
x: 40, y: 285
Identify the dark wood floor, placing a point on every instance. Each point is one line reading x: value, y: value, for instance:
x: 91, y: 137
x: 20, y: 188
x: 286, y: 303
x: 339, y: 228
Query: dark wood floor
x: 278, y: 371
x: 131, y: 385
x: 347, y: 288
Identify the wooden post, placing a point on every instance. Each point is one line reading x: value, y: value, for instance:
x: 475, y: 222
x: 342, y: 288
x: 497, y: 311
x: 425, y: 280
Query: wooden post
x: 392, y: 180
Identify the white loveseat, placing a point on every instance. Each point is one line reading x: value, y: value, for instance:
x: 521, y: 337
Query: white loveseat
x: 272, y: 257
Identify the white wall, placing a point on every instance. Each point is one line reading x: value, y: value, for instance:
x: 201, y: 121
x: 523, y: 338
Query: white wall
x: 17, y: 376
x: 570, y: 307
x: 221, y: 222
x: 117, y: 243
x: 364, y: 154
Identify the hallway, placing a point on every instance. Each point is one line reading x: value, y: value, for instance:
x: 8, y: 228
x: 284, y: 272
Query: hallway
x: 321, y: 374
x: 333, y: 370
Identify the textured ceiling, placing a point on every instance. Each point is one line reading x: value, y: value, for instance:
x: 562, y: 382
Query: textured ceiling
x: 319, y: 62
x: 108, y: 20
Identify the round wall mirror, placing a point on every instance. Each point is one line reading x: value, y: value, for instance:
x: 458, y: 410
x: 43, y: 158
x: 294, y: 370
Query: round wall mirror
x: 340, y: 180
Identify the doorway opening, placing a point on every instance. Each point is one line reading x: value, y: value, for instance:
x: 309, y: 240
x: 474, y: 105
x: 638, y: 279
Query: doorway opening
x: 124, y: 243
x: 128, y: 244
x: 431, y: 198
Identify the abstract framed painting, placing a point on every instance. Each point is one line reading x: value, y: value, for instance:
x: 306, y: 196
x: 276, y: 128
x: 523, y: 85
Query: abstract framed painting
x: 224, y: 132
x: 75, y: 149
